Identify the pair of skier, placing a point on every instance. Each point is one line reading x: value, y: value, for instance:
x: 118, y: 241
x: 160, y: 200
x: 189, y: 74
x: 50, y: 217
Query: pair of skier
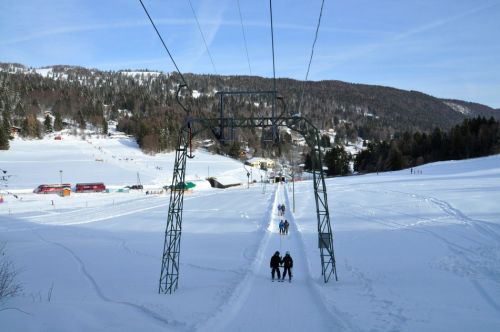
x: 284, y: 227
x: 281, y: 209
x: 286, y: 262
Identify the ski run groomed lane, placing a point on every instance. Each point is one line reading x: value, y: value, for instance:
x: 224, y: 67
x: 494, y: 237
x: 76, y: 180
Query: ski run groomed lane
x: 258, y: 304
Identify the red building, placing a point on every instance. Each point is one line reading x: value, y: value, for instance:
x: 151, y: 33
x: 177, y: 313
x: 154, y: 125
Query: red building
x: 51, y: 188
x: 90, y: 187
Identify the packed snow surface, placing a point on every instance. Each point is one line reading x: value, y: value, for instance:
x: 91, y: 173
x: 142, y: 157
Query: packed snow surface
x: 416, y: 251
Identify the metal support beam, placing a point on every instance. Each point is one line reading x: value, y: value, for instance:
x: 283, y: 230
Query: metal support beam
x: 169, y: 276
x: 170, y: 264
x: 225, y: 122
x: 312, y: 137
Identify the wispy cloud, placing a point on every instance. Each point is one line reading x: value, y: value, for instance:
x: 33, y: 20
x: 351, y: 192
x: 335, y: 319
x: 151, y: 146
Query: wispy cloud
x: 442, y: 22
x: 210, y: 17
x: 206, y: 19
x: 365, y: 50
x: 85, y: 28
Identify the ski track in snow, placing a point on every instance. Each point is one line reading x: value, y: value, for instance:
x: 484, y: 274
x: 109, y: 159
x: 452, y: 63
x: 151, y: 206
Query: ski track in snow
x: 485, y: 228
x: 235, y: 299
x: 246, y: 293
x: 383, y: 306
x: 340, y: 318
x: 473, y: 264
x: 238, y: 296
x: 100, y: 213
x: 486, y: 296
x: 103, y: 213
x: 98, y: 291
x: 393, y: 322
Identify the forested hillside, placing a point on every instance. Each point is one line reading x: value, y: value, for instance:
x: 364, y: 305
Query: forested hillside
x: 143, y: 103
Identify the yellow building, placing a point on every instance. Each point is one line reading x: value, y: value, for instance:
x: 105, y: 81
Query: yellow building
x: 256, y: 162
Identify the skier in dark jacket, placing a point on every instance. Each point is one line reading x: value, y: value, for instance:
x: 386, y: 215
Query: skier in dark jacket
x: 287, y: 264
x: 275, y: 264
x: 286, y: 225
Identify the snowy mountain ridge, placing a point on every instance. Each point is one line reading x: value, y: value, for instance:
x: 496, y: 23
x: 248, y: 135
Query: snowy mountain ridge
x: 92, y: 77
x: 95, y: 78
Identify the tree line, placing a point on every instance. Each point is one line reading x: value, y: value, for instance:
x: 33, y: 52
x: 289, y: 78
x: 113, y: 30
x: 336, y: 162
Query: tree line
x: 335, y: 158
x: 472, y: 138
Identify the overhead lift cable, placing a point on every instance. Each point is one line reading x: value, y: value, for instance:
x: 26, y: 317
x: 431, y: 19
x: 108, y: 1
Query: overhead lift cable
x: 272, y: 43
x: 274, y: 129
x: 203, y: 37
x: 164, y: 45
x: 244, y: 36
x: 183, y: 83
x: 311, y: 57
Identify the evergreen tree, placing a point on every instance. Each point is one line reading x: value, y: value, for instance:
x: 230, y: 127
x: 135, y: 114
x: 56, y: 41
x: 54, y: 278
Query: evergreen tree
x: 114, y: 112
x: 58, y: 123
x: 25, y: 128
x: 337, y: 160
x: 325, y: 141
x: 82, y: 124
x: 104, y: 126
x: 6, y: 121
x: 4, y: 139
x: 307, y: 162
x: 310, y: 162
x: 141, y: 131
x: 457, y: 144
x: 394, y: 160
x: 437, y: 142
x: 31, y: 127
x: 235, y: 149
x: 19, y: 110
x: 47, y: 124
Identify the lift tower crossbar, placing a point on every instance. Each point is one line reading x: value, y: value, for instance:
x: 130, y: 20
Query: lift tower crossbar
x: 170, y: 263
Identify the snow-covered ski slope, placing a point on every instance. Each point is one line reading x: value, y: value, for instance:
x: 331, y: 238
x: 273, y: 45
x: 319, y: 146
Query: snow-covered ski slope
x: 415, y: 252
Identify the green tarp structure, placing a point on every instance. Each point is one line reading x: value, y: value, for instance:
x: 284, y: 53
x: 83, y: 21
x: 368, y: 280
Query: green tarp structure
x: 185, y: 185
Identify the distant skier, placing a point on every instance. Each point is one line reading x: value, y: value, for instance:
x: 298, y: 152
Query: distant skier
x: 279, y: 209
x: 275, y: 265
x: 288, y: 265
x: 282, y: 209
x: 286, y: 224
x: 282, y: 227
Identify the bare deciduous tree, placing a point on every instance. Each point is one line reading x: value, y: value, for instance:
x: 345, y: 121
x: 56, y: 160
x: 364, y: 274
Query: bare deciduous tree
x: 8, y: 285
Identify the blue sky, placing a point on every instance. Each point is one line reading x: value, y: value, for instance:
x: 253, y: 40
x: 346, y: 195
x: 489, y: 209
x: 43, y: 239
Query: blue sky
x: 446, y: 48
